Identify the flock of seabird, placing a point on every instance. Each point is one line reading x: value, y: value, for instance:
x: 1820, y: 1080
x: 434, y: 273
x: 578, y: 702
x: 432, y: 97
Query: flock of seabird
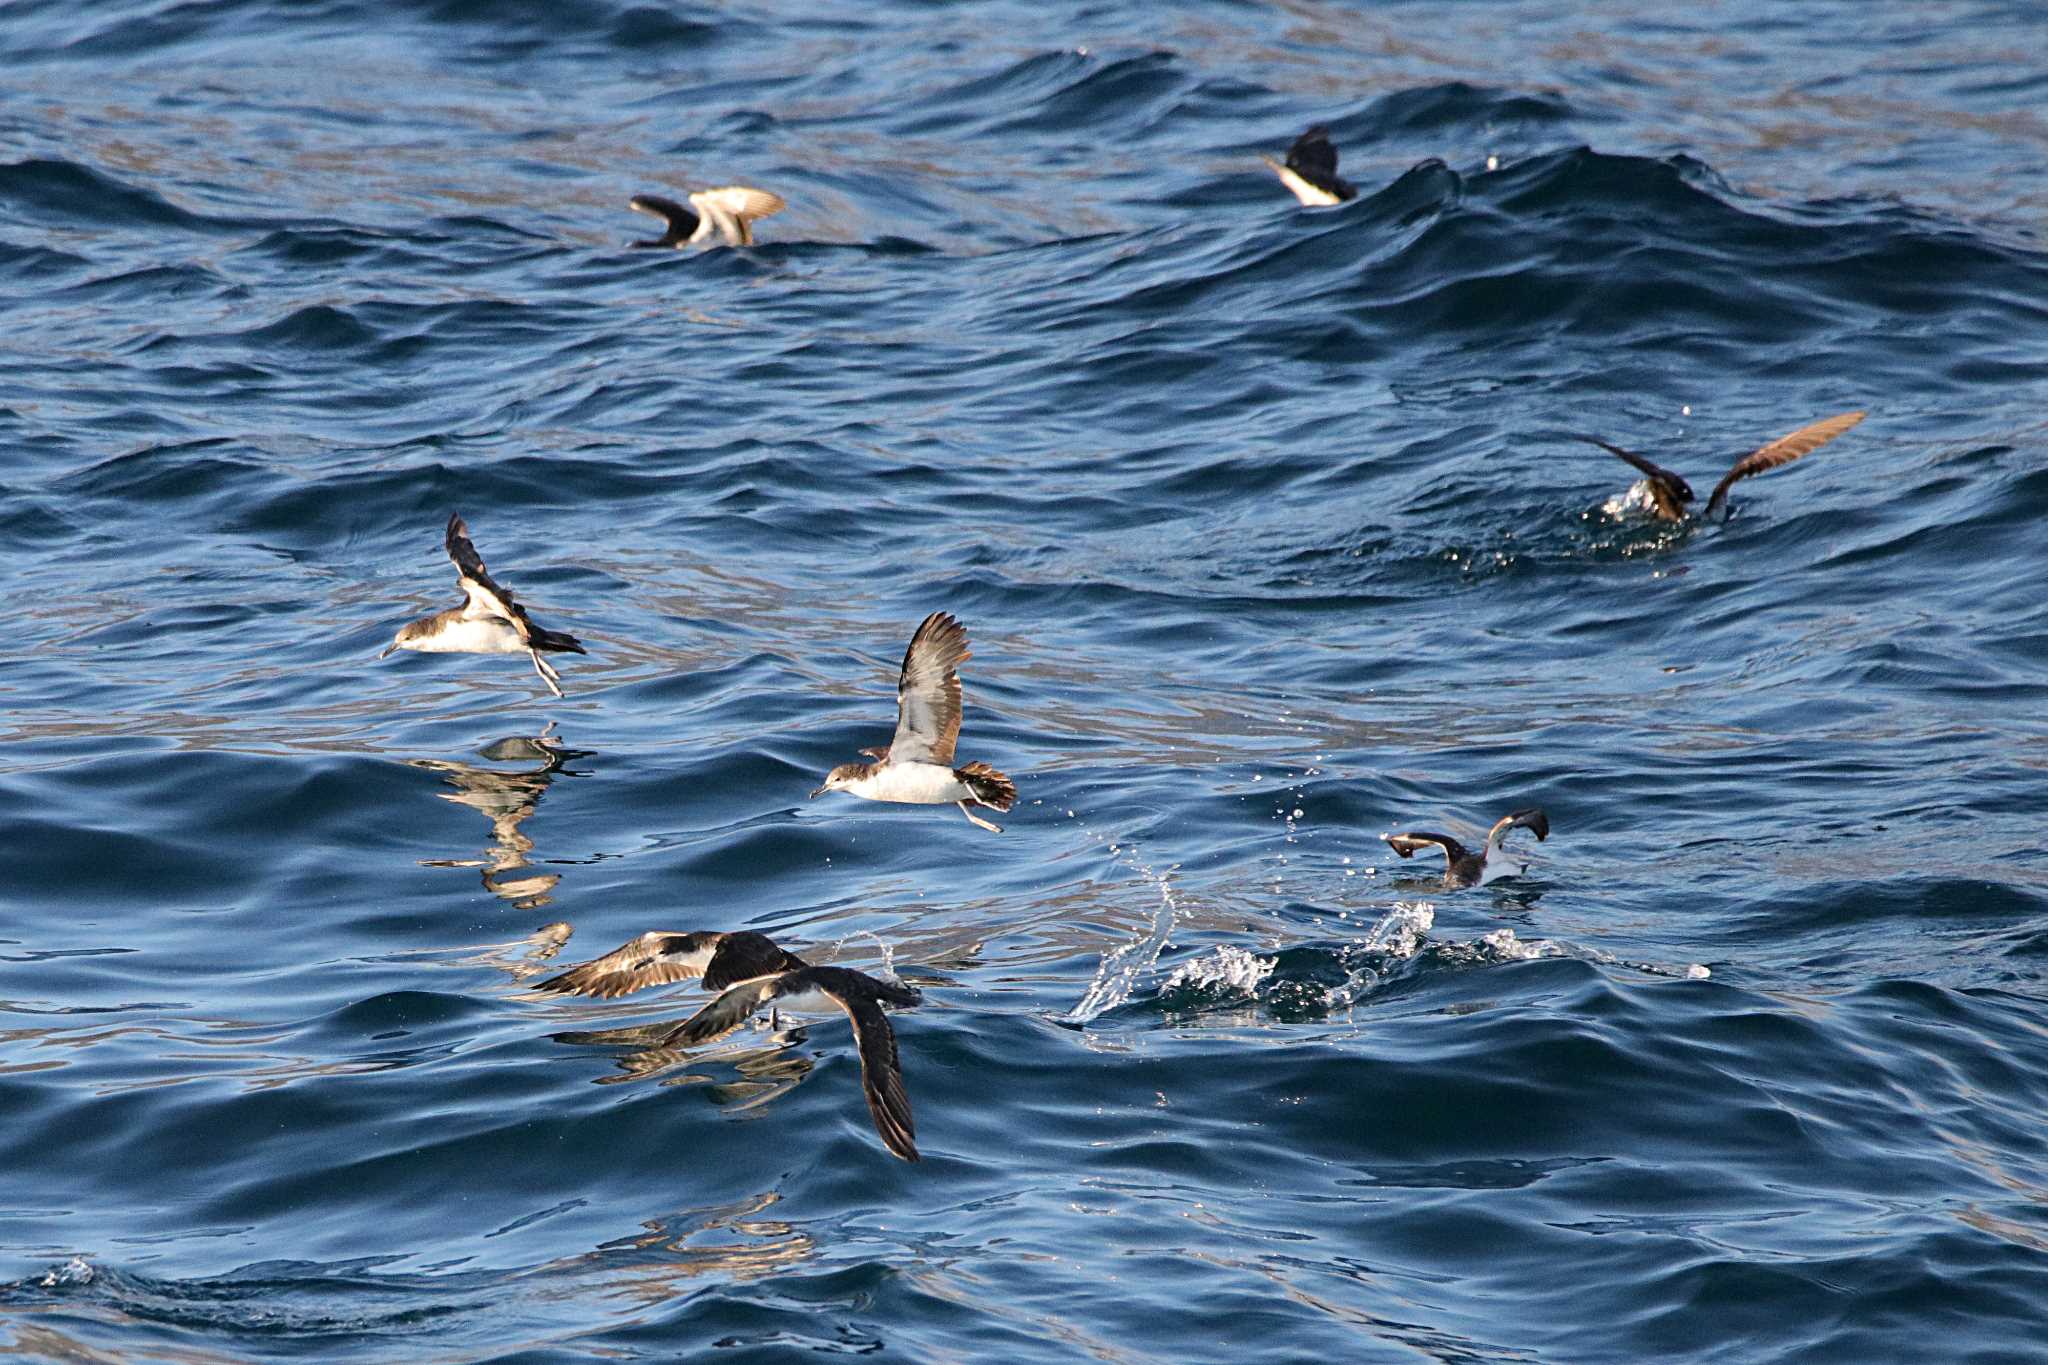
x: 750, y: 971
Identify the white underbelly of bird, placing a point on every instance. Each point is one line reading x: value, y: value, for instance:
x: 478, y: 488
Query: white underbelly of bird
x: 483, y: 635
x: 813, y: 1001
x: 1498, y: 865
x: 921, y: 784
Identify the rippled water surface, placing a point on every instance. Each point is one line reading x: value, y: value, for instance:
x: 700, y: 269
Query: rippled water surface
x: 1271, y: 535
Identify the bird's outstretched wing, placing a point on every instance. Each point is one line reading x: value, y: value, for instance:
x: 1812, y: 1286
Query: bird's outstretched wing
x: 723, y: 1015
x: 881, y: 1073
x: 682, y: 224
x: 486, y: 597
x: 1532, y: 819
x: 1782, y: 451
x: 862, y: 997
x: 928, y: 693
x: 657, y: 958
x: 653, y: 959
x: 731, y: 210
x: 1415, y: 840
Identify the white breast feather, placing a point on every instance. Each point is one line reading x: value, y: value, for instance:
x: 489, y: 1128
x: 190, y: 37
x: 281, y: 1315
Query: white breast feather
x: 486, y: 635
x: 922, y: 784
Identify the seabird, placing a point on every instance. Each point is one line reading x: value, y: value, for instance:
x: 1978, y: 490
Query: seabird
x: 1669, y: 494
x: 1311, y: 170
x: 489, y: 621
x: 917, y: 767
x: 730, y: 212
x: 753, y: 972
x: 1462, y: 866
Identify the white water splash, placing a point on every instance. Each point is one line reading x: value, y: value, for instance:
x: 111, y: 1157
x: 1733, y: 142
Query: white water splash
x: 1228, y: 968
x: 1118, y: 975
x: 1396, y: 936
x: 1632, y: 503
x: 1400, y: 931
x: 74, y: 1272
x: 887, y: 969
x: 1502, y: 946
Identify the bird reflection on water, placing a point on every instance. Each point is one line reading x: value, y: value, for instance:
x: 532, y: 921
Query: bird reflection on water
x: 506, y: 797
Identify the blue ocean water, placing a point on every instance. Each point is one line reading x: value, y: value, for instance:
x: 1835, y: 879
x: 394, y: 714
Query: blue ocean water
x: 1271, y: 535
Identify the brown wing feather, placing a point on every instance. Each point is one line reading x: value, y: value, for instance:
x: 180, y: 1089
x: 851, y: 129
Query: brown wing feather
x: 1415, y: 840
x: 1783, y: 451
x: 928, y: 692
x: 653, y: 959
x: 743, y: 202
x: 881, y: 1074
x: 724, y: 1014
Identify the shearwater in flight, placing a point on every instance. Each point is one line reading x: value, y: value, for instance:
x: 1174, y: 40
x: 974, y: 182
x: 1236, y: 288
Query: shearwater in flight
x: 917, y: 767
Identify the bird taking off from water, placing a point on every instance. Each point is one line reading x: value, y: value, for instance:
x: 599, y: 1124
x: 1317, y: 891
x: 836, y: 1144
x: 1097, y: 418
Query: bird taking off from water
x: 1463, y: 866
x: 728, y: 213
x: 1669, y: 494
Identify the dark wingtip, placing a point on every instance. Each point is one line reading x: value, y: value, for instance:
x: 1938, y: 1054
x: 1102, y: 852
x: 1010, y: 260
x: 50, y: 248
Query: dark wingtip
x: 1608, y: 446
x: 1535, y: 821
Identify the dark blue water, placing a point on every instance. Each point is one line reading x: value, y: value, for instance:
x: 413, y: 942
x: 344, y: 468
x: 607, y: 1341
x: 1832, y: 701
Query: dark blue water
x: 1271, y: 538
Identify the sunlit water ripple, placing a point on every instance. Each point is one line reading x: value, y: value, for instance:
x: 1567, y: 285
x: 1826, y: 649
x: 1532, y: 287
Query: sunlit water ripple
x: 1272, y: 536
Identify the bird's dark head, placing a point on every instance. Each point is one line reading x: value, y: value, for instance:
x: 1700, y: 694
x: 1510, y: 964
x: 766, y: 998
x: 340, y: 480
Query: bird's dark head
x: 1672, y: 495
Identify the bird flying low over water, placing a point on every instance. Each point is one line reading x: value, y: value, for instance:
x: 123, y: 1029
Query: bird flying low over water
x: 1463, y: 866
x: 917, y: 767
x: 1669, y: 494
x: 489, y: 621
x: 752, y: 973
x: 729, y: 212
x: 1310, y: 170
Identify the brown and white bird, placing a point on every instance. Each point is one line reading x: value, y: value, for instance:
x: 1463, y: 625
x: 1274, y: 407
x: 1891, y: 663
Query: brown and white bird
x: 752, y: 972
x: 1463, y: 866
x: 728, y: 212
x: 489, y: 621
x: 1310, y: 170
x: 1669, y: 494
x: 917, y: 767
